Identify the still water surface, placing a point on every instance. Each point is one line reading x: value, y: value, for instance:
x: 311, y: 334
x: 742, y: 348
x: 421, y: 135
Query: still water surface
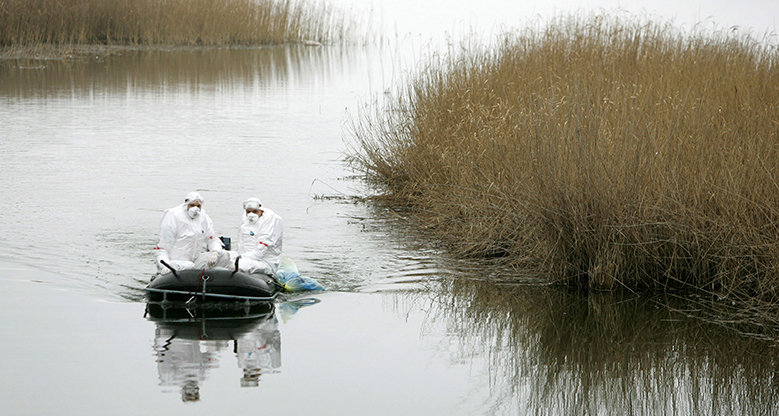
x: 94, y: 150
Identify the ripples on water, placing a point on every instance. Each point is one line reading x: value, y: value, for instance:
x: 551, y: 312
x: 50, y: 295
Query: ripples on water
x: 555, y: 352
x: 96, y: 150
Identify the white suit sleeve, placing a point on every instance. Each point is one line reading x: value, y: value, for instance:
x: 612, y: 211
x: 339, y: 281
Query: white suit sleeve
x: 270, y: 236
x: 214, y: 243
x: 167, y: 239
x: 276, y: 232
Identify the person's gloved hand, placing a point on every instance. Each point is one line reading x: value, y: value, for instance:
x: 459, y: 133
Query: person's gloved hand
x: 213, y: 257
x: 161, y: 255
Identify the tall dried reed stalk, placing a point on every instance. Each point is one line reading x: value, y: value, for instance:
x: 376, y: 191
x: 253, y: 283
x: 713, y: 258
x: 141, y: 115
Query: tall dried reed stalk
x: 603, y: 152
x: 167, y: 22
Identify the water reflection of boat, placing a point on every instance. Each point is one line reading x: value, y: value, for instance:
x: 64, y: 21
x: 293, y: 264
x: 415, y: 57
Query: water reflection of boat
x: 213, y: 285
x: 189, y: 340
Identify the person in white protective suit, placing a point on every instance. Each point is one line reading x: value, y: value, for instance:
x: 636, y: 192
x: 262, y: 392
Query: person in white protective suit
x: 185, y: 363
x: 259, y: 238
x: 259, y: 352
x: 186, y: 232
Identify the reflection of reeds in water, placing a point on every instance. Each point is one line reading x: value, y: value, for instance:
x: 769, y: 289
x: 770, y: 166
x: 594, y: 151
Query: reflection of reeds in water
x: 168, y: 22
x: 601, y: 152
x: 560, y: 353
x: 236, y: 69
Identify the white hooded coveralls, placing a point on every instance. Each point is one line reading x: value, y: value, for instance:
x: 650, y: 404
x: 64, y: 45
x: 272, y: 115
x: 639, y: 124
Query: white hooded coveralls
x: 183, y: 239
x: 259, y: 351
x: 185, y: 362
x: 259, y: 244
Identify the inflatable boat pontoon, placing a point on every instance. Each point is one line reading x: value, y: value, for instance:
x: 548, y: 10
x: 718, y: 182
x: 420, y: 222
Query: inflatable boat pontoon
x: 219, y: 317
x: 216, y: 284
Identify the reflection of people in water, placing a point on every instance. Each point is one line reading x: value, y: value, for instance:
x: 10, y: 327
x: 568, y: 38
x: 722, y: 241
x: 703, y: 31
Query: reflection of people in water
x: 185, y: 362
x: 190, y: 391
x: 258, y: 352
x: 184, y: 359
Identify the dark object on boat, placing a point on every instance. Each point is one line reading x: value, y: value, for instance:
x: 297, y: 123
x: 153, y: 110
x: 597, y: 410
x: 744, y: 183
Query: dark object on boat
x: 226, y: 242
x: 213, y: 285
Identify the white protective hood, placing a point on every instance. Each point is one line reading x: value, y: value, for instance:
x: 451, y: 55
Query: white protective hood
x: 262, y: 241
x: 183, y: 238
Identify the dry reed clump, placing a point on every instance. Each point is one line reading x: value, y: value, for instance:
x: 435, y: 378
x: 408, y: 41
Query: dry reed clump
x: 167, y: 22
x: 612, y: 353
x: 600, y: 151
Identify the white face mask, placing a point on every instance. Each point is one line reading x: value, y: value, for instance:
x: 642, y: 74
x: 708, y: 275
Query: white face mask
x: 252, y: 217
x: 193, y: 212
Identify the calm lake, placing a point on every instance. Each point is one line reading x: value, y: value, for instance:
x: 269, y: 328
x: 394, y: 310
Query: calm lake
x: 94, y: 150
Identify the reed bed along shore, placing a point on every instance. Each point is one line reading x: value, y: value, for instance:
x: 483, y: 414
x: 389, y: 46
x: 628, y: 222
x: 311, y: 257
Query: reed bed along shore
x: 612, y: 353
x: 599, y: 152
x: 65, y: 23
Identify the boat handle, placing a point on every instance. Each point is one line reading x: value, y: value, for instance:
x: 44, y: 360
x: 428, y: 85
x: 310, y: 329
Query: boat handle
x: 236, y: 265
x: 164, y: 263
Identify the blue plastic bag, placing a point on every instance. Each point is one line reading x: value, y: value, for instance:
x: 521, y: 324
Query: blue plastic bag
x: 291, y: 279
x: 300, y: 283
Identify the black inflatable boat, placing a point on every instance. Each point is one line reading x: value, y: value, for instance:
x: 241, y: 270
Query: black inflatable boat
x: 220, y: 318
x: 216, y: 284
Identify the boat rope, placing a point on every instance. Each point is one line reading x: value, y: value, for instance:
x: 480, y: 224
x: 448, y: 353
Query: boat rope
x: 199, y: 279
